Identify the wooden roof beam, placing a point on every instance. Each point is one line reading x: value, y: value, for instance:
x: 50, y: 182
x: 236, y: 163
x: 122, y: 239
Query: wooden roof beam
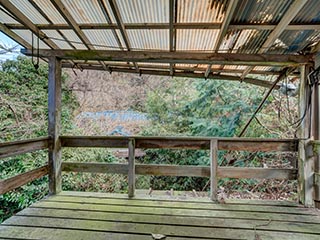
x: 224, y: 28
x: 252, y: 81
x: 96, y: 66
x: 70, y: 20
x: 14, y: 36
x: 26, y: 22
x: 178, y: 57
x: 293, y: 10
x: 172, y: 31
x: 121, y: 27
x: 109, y: 21
x: 240, y: 26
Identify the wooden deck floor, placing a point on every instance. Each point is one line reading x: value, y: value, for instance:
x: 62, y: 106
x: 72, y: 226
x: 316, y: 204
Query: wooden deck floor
x: 74, y: 215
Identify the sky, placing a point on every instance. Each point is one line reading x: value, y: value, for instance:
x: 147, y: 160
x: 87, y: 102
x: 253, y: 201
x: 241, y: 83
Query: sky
x: 7, y: 42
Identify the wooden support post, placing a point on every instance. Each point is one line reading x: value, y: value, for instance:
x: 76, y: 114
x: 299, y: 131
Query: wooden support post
x: 306, y: 163
x: 316, y: 135
x: 214, y: 169
x: 54, y: 118
x: 131, y: 168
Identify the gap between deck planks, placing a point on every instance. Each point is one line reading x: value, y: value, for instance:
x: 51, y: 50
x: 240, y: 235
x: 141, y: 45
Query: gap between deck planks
x: 74, y: 215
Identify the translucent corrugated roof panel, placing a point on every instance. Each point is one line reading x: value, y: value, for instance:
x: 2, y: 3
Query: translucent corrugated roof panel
x: 56, y: 37
x: 5, y: 18
x: 84, y: 11
x: 199, y: 66
x: 149, y: 39
x: 103, y: 39
x: 229, y: 41
x: 201, y: 11
x: 51, y: 12
x: 235, y: 67
x: 250, y: 41
x: 154, y: 64
x: 144, y: 11
x: 115, y: 63
x: 27, y: 35
x: 262, y: 68
x: 29, y: 11
x: 196, y: 39
x: 261, y: 11
x: 74, y: 39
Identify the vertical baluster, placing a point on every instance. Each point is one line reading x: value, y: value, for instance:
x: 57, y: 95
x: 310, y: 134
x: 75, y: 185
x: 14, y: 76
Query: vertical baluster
x: 131, y: 168
x: 213, y: 168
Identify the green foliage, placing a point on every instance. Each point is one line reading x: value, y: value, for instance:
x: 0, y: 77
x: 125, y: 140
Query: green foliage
x: 203, y: 108
x: 23, y: 115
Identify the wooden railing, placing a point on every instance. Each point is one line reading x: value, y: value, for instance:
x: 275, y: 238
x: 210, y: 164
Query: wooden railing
x: 132, y: 169
x: 10, y: 149
x: 212, y: 144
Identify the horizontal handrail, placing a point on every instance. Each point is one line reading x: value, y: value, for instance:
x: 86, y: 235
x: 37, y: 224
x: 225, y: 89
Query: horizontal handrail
x: 9, y: 149
x: 181, y: 170
x: 9, y: 184
x: 237, y: 144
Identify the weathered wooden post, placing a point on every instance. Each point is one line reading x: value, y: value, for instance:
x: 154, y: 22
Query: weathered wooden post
x: 54, y: 119
x: 316, y: 136
x: 214, y: 169
x: 306, y: 162
x: 131, y: 168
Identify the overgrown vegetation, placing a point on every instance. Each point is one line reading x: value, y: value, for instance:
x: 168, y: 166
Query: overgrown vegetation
x: 219, y: 109
x: 23, y: 115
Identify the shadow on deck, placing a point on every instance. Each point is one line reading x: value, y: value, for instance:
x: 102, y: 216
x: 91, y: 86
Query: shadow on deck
x: 79, y: 215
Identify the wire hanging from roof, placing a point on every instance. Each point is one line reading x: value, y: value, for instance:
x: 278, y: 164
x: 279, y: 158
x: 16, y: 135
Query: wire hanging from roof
x: 35, y: 65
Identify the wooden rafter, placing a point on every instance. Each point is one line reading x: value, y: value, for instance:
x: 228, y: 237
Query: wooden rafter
x: 224, y: 28
x: 178, y: 57
x: 191, y: 69
x: 71, y: 21
x: 26, y: 22
x: 141, y: 26
x: 108, y: 19
x: 121, y: 27
x: 187, y: 74
x: 14, y: 36
x: 172, y: 31
x: 43, y: 14
x: 284, y: 22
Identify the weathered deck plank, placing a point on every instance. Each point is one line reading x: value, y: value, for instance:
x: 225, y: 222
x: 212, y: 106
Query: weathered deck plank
x: 173, y: 220
x: 71, y: 215
x: 183, y: 205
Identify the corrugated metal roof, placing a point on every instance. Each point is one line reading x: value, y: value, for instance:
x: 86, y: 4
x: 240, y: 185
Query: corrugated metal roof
x: 146, y: 25
x: 261, y: 11
x: 144, y: 11
x: 32, y: 13
x: 149, y: 39
x: 74, y: 39
x: 84, y: 11
x: 102, y: 39
x: 309, y: 13
x: 27, y: 36
x: 196, y: 39
x: 190, y: 11
x: 5, y: 18
x: 55, y: 36
x: 47, y: 7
